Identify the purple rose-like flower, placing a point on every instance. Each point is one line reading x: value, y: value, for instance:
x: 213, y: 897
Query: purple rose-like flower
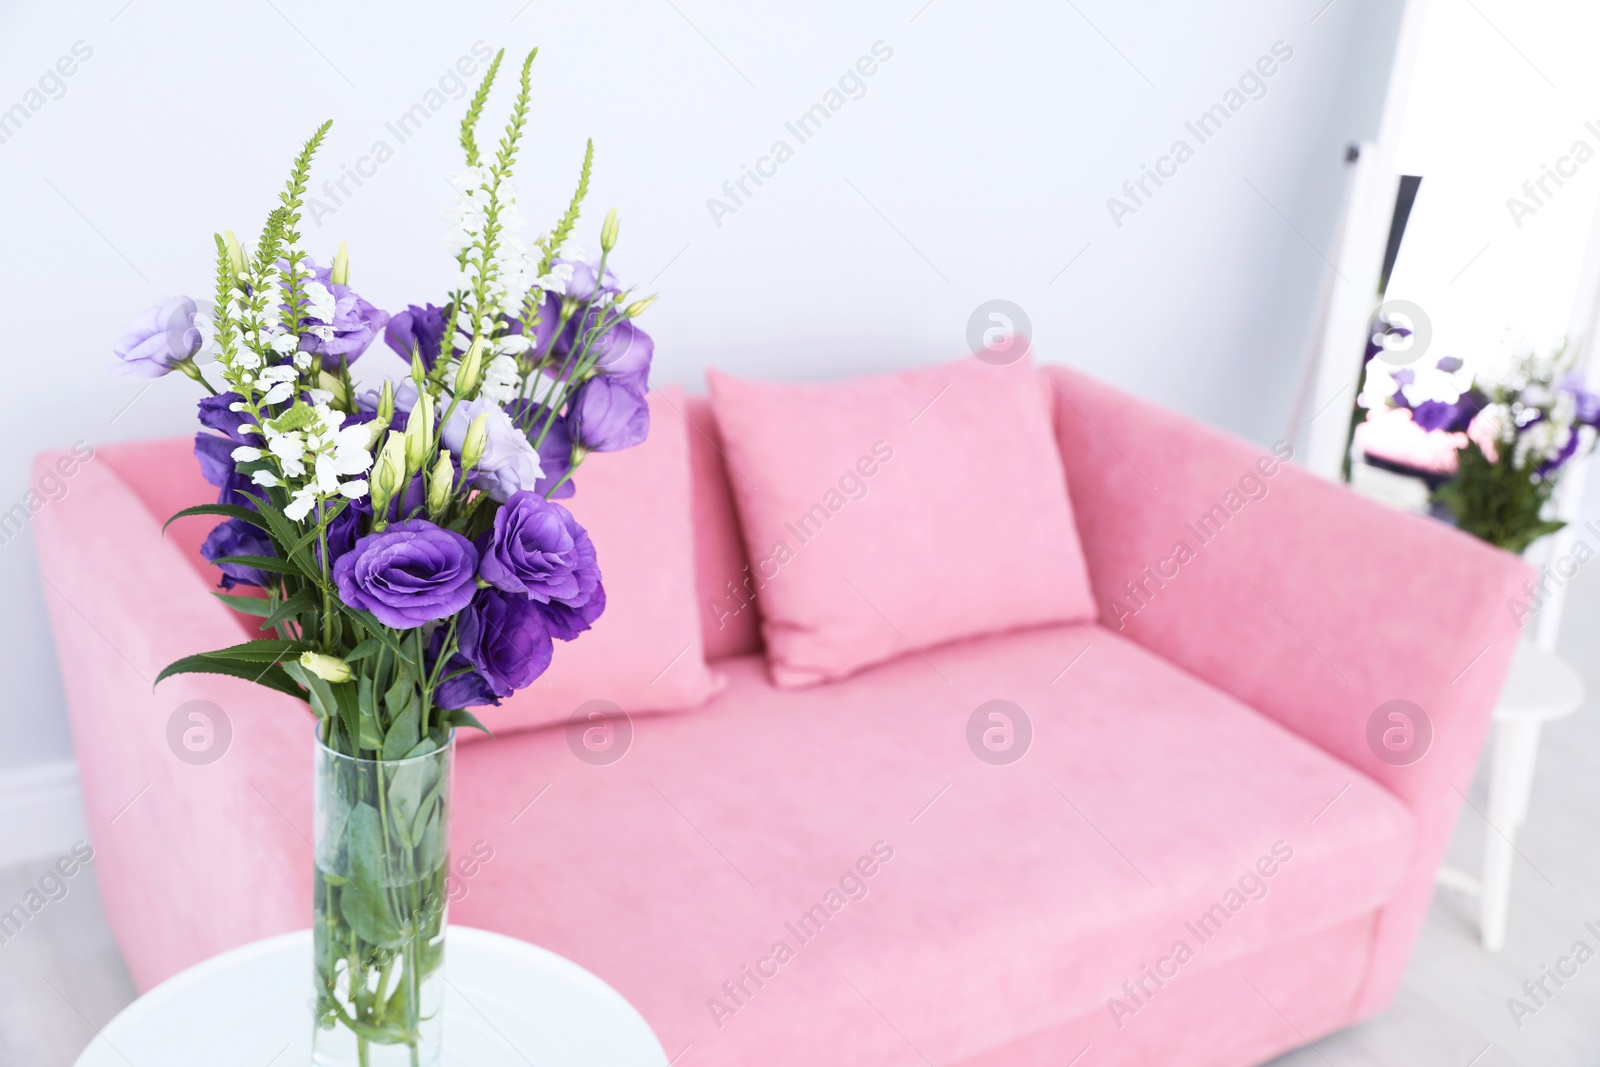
x: 408, y: 574
x: 235, y: 537
x: 607, y: 415
x: 216, y: 412
x: 509, y: 463
x: 161, y: 337
x: 356, y: 324
x: 504, y: 635
x: 217, y: 467
x: 538, y: 549
x: 555, y: 458
x: 420, y: 329
x: 581, y: 286
x: 623, y: 350
x: 555, y: 450
x: 567, y: 622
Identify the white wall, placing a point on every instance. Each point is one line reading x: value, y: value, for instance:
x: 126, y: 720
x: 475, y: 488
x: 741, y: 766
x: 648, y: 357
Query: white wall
x: 977, y: 165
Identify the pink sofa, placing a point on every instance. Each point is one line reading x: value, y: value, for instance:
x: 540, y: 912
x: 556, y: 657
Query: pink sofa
x: 1200, y: 860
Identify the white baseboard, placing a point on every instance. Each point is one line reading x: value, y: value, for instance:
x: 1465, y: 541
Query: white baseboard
x: 41, y: 812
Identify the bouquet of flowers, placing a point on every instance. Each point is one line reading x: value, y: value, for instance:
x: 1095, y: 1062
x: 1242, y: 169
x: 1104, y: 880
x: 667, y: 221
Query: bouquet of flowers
x: 1518, y: 431
x: 409, y: 556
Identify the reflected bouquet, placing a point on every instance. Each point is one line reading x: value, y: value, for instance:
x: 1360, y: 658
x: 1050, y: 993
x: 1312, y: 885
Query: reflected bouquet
x: 407, y: 551
x: 1518, y: 431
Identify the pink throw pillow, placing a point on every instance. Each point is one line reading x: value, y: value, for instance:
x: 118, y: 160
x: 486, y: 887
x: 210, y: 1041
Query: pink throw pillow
x: 887, y: 514
x: 645, y: 652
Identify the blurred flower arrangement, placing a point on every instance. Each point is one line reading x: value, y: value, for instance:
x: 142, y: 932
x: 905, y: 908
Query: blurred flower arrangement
x: 1514, y: 434
x: 409, y: 558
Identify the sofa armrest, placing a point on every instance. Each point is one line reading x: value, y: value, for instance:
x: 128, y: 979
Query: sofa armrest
x: 1309, y: 603
x: 193, y: 855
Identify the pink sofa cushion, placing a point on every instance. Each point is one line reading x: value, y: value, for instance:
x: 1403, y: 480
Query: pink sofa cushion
x: 645, y: 653
x: 728, y: 615
x: 888, y: 514
x: 1026, y: 894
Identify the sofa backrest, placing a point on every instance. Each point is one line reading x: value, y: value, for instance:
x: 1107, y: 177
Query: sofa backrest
x: 163, y: 474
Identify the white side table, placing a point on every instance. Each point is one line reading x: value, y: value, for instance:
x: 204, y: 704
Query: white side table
x: 1540, y: 688
x: 507, y: 1002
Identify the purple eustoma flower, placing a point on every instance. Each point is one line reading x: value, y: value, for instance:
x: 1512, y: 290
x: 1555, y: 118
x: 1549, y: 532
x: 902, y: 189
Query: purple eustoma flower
x: 216, y: 412
x: 235, y: 537
x: 607, y: 415
x: 567, y: 622
x: 538, y: 549
x: 555, y: 459
x: 161, y: 337
x: 509, y: 463
x: 356, y: 324
x: 623, y: 350
x: 419, y: 329
x: 581, y: 286
x: 217, y: 467
x: 504, y: 635
x: 410, y: 573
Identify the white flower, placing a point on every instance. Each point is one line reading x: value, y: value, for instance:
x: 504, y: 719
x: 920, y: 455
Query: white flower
x: 320, y: 301
x: 246, y: 454
x: 502, y: 381
x: 278, y: 393
x: 284, y: 343
x: 354, y: 490
x: 264, y: 478
x: 301, y: 503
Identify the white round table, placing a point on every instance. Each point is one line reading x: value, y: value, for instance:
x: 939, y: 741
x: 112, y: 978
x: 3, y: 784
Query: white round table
x: 506, y: 1002
x: 1539, y: 689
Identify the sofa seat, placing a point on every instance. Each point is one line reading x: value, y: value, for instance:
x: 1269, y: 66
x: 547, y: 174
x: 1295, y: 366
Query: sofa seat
x: 1017, y: 897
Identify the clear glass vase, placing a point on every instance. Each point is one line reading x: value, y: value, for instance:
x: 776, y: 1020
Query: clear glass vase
x: 382, y: 844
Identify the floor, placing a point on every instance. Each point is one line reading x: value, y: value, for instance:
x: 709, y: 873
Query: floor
x: 61, y: 978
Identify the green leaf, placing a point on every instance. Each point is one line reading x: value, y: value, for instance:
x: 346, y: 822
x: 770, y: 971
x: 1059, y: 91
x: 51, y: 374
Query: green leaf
x: 362, y: 901
x: 463, y: 717
x: 370, y: 623
x: 322, y: 700
x: 306, y: 599
x: 369, y: 647
x: 231, y: 511
x: 262, y: 650
x: 404, y: 731
x: 250, y: 605
x: 261, y: 563
x: 282, y: 530
x: 270, y: 676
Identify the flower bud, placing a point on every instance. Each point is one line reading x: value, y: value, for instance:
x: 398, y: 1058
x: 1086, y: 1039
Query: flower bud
x: 476, y: 441
x: 386, y: 402
x: 419, y: 433
x: 469, y: 370
x: 236, y: 259
x: 328, y: 668
x: 608, y: 231
x: 388, y: 475
x: 441, y: 483
x: 638, y: 307
x: 335, y: 385
x: 340, y: 272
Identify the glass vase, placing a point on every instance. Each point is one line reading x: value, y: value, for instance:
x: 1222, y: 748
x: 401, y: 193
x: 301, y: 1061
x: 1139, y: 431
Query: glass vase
x: 382, y: 841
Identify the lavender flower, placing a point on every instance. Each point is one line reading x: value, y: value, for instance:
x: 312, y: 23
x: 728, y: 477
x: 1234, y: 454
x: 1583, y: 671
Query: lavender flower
x: 162, y: 337
x: 509, y: 462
